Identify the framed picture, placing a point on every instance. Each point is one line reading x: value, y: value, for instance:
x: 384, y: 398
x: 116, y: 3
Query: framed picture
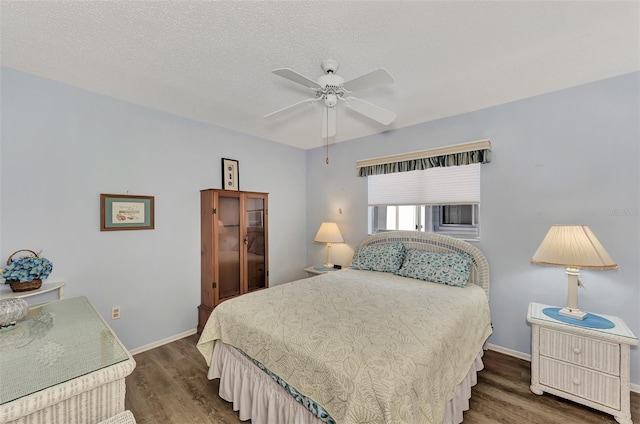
x: 230, y: 174
x: 126, y: 212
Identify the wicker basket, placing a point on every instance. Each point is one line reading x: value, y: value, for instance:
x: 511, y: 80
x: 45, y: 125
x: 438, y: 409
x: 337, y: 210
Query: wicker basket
x: 29, y: 285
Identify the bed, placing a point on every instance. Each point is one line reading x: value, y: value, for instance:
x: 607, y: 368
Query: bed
x: 377, y: 343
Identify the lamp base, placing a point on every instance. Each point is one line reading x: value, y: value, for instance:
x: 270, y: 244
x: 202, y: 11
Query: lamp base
x: 572, y: 313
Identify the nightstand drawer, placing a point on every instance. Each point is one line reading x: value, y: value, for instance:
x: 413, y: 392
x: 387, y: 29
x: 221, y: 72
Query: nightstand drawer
x: 588, y: 352
x: 594, y: 386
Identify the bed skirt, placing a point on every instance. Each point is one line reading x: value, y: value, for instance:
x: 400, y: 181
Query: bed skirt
x: 258, y: 397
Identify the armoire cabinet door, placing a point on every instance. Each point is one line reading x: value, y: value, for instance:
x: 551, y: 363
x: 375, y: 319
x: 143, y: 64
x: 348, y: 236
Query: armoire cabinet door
x: 234, y: 247
x: 256, y: 240
x: 229, y: 246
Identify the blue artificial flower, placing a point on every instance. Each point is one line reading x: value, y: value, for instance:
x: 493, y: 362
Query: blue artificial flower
x: 27, y: 269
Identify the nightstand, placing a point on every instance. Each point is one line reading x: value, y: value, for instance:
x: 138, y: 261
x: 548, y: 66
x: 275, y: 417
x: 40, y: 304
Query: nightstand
x: 586, y: 365
x: 317, y: 270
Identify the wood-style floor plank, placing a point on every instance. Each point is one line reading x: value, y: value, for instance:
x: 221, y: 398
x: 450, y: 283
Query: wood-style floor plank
x: 169, y: 386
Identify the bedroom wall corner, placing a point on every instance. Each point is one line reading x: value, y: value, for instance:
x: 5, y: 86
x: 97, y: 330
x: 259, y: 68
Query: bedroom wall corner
x: 565, y: 157
x: 62, y: 146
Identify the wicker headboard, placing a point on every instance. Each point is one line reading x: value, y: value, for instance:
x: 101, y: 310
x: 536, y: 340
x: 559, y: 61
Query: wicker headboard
x: 438, y: 243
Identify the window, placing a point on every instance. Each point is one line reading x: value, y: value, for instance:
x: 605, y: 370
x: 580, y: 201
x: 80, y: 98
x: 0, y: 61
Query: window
x: 461, y: 221
x: 456, y: 215
x: 440, y: 200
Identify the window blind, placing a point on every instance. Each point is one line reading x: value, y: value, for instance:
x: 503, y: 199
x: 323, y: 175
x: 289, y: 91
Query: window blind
x: 433, y: 186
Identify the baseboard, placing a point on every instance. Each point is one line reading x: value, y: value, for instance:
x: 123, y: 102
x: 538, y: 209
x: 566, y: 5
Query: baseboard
x: 509, y: 352
x: 162, y: 342
x: 633, y: 387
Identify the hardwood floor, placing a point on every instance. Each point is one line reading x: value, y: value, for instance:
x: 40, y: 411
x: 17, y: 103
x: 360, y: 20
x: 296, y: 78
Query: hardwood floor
x: 170, y: 386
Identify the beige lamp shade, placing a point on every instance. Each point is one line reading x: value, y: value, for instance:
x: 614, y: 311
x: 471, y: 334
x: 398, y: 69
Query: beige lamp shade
x: 572, y: 246
x: 328, y: 233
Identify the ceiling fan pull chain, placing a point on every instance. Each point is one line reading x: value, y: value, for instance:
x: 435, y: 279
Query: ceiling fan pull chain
x: 327, y: 159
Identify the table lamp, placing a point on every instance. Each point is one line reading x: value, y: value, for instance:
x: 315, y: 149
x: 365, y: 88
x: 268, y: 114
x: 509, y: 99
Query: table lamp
x: 573, y: 247
x: 328, y: 233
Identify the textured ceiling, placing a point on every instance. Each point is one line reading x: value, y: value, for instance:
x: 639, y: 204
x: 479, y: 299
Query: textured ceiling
x: 211, y: 61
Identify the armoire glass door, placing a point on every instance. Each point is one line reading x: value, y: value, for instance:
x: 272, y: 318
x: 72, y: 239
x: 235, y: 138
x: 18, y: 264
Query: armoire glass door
x: 256, y: 243
x: 229, y: 245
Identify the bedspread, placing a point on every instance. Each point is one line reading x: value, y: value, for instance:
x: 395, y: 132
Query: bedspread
x: 369, y: 347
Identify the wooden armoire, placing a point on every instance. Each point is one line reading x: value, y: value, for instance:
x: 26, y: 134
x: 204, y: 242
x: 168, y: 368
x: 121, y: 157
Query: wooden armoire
x: 234, y: 247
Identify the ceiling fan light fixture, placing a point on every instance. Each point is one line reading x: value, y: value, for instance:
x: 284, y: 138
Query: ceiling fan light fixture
x: 330, y: 100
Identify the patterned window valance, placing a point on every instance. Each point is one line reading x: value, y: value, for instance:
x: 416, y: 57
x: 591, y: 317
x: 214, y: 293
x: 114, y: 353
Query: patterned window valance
x: 459, y: 154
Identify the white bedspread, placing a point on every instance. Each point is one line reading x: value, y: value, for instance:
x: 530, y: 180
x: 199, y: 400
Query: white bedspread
x: 369, y: 347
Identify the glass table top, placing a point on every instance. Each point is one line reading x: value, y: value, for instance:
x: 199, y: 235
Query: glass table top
x: 57, y: 342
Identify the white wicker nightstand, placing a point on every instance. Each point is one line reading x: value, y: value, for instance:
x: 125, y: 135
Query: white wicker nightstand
x: 585, y: 365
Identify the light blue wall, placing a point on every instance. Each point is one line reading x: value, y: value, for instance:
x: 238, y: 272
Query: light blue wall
x: 568, y: 157
x: 62, y: 146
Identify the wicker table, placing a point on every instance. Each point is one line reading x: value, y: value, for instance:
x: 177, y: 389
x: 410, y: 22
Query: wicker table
x: 62, y: 364
x: 46, y: 288
x: 586, y: 365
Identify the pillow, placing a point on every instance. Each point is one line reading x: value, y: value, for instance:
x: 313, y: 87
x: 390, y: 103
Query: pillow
x: 452, y: 269
x: 228, y: 243
x: 256, y: 243
x: 379, y: 257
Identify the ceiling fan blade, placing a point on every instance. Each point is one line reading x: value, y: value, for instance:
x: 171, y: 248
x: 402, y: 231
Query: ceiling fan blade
x: 372, y: 79
x: 292, y: 75
x: 328, y: 122
x: 290, y: 108
x: 371, y: 111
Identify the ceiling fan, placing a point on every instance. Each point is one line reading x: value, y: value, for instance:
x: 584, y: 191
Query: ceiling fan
x: 331, y: 88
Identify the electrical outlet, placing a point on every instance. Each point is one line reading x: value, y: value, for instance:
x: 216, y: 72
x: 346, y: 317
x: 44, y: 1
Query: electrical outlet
x: 115, y: 312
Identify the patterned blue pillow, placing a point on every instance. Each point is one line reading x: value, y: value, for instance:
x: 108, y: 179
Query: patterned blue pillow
x: 439, y: 267
x: 379, y: 257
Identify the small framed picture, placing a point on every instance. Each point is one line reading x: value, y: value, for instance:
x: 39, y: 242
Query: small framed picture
x: 230, y: 179
x: 126, y: 212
